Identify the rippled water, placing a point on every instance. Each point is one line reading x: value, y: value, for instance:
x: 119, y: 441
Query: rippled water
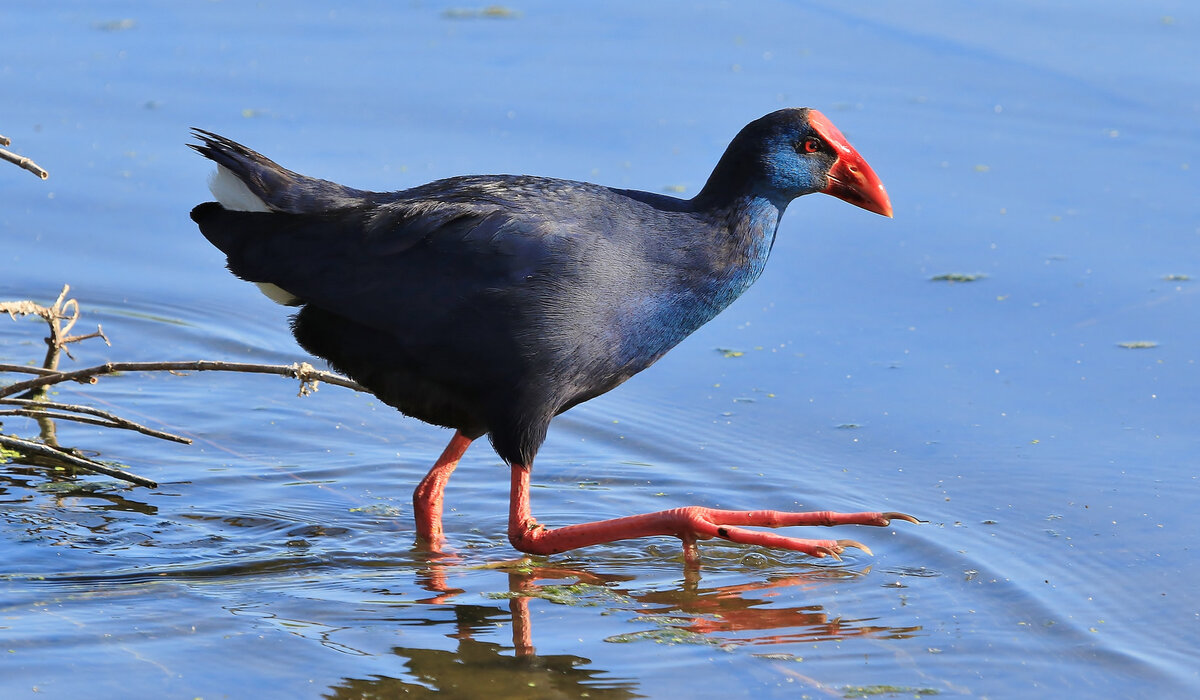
x: 1051, y: 149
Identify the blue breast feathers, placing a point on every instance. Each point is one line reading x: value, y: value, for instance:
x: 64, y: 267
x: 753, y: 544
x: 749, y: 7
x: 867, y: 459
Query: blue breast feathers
x: 652, y: 324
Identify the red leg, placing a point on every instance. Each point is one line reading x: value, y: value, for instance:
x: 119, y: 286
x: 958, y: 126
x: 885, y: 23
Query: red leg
x: 427, y: 498
x: 688, y: 524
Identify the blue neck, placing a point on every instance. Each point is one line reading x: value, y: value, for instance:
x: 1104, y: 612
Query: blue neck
x: 744, y: 235
x: 752, y: 221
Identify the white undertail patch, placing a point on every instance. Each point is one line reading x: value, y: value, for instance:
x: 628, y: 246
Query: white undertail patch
x: 234, y: 195
x: 278, y: 294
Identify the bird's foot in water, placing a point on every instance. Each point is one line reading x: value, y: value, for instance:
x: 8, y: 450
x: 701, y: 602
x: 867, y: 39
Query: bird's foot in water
x: 695, y: 523
x: 430, y: 493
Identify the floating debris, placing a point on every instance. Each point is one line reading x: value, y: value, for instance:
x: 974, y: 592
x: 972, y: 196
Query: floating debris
x: 116, y: 25
x: 1177, y: 278
x: 1138, y: 344
x: 730, y: 352
x: 81, y: 488
x: 779, y: 657
x: 381, y: 510
x: 576, y: 595
x: 866, y: 691
x: 490, y: 12
x: 666, y: 635
x: 958, y: 277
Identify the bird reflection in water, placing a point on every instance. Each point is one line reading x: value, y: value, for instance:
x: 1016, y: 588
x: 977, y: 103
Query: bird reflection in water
x: 725, y: 616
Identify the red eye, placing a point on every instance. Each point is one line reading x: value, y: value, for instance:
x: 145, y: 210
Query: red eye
x: 811, y: 145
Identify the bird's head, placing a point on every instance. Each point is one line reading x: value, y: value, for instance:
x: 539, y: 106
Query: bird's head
x: 793, y: 152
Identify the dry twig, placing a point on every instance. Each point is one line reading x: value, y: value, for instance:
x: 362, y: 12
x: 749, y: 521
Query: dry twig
x: 34, y: 409
x: 308, y: 375
x: 63, y: 309
x: 21, y: 161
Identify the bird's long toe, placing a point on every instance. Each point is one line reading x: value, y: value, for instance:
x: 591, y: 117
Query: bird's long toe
x: 815, y: 548
x: 779, y: 518
x: 707, y: 523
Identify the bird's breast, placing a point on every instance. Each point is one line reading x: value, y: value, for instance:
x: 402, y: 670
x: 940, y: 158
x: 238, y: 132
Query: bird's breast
x: 657, y: 320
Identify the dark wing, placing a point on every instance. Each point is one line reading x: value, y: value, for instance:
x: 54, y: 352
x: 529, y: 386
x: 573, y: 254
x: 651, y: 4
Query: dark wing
x: 379, y: 266
x: 281, y: 189
x: 430, y: 305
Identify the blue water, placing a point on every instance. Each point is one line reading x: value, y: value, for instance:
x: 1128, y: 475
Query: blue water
x: 1053, y: 149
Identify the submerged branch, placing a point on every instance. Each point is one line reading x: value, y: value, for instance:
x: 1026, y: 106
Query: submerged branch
x: 29, y: 447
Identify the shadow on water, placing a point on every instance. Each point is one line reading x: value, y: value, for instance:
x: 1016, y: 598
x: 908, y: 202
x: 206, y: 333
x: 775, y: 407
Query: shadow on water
x: 439, y: 673
x: 719, y: 616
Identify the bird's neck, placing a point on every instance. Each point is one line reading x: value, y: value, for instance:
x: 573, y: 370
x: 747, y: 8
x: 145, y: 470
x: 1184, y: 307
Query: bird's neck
x: 743, y: 233
x: 748, y: 212
x: 750, y: 223
x: 740, y: 182
x: 753, y: 216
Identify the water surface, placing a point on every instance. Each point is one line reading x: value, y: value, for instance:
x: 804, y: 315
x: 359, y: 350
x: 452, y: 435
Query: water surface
x: 1050, y: 151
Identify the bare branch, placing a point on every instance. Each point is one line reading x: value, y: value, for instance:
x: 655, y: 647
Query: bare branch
x: 27, y: 369
x: 22, y: 308
x: 305, y: 372
x: 22, y: 162
x: 35, y: 409
x: 29, y: 447
x: 63, y: 309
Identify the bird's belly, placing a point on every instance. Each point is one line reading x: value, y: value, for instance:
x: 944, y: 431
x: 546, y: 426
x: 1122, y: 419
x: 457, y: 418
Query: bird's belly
x: 416, y: 384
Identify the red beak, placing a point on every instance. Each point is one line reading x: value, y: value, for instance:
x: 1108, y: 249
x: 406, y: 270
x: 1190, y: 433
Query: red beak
x: 850, y: 178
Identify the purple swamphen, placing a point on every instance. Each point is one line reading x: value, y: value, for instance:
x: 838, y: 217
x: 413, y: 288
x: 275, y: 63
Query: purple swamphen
x: 490, y: 304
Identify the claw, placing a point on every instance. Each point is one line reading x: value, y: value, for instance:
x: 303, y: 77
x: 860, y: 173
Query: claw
x: 822, y: 552
x: 856, y: 545
x: 691, y: 553
x: 900, y: 516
